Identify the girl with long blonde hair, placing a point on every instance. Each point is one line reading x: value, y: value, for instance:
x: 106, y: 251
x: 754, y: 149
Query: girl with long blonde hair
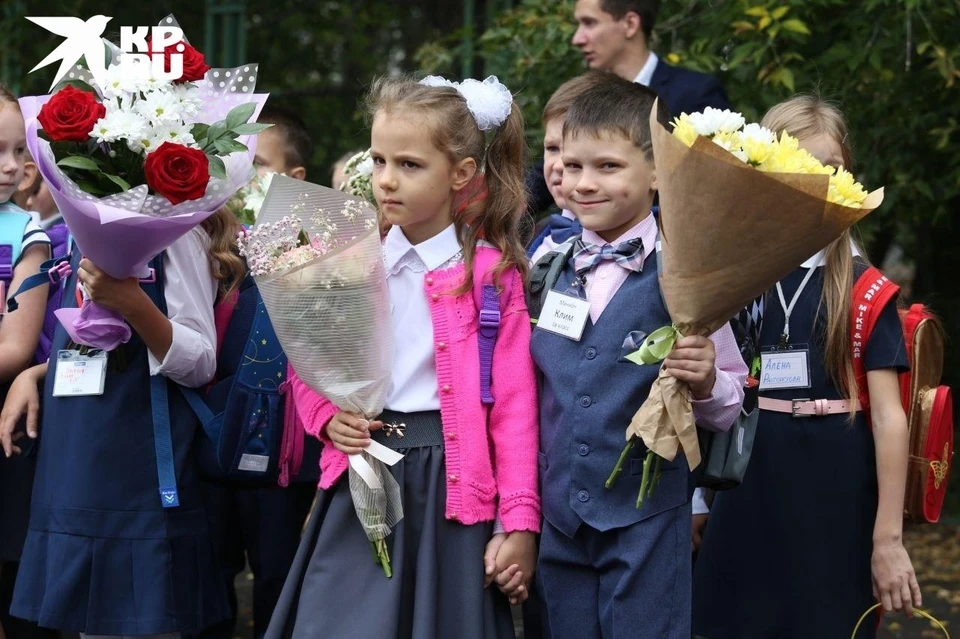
x: 814, y: 535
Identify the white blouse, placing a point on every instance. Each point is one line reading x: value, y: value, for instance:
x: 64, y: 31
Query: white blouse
x: 190, y: 292
x: 414, y: 378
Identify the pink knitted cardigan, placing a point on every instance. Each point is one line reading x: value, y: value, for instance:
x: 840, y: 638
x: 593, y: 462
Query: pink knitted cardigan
x: 490, y: 451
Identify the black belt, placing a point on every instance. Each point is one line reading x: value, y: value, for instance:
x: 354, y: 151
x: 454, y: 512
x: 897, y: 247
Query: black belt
x: 409, y: 430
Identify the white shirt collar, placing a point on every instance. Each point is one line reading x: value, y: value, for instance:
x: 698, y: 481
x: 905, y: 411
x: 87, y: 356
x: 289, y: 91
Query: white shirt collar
x: 568, y: 214
x: 817, y: 260
x: 432, y: 253
x: 645, y: 77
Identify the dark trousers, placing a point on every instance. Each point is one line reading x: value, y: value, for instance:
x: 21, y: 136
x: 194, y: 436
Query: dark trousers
x: 261, y: 526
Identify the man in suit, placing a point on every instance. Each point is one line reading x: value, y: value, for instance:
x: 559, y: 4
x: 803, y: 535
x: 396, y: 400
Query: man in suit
x: 614, y: 35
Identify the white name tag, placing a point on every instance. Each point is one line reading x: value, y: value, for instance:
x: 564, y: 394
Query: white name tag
x: 78, y: 375
x: 784, y: 369
x: 564, y: 315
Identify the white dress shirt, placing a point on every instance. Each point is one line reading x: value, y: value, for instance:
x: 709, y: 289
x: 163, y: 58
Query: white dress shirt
x: 414, y: 378
x: 190, y: 292
x: 645, y: 77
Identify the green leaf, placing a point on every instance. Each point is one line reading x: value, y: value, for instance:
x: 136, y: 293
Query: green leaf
x: 764, y: 23
x: 217, y: 131
x: 251, y: 128
x: 226, y: 147
x: 217, y: 168
x: 779, y: 12
x: 756, y: 12
x: 79, y: 162
x: 119, y: 181
x: 240, y: 114
x: 656, y: 346
x: 785, y: 76
x: 199, y: 131
x: 796, y: 26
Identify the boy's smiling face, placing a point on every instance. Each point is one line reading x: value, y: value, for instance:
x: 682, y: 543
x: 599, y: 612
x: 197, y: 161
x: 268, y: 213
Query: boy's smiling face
x: 608, y: 182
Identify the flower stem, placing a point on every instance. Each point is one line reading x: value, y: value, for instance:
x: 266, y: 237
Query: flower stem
x: 382, y: 556
x: 645, y: 481
x: 656, y: 476
x: 619, y: 465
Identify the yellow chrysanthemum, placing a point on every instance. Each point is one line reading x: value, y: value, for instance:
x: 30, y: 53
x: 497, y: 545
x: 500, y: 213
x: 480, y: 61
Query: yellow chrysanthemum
x: 683, y: 129
x: 845, y: 190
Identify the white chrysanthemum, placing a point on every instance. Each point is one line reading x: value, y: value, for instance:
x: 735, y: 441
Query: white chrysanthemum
x: 120, y: 80
x: 119, y: 124
x: 160, y: 107
x: 365, y: 168
x: 754, y: 131
x: 712, y: 121
x: 176, y: 132
x: 138, y: 72
x: 190, y: 98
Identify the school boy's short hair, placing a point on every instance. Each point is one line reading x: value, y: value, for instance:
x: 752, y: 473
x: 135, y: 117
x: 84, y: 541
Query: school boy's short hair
x: 646, y: 9
x: 559, y: 103
x: 297, y: 147
x: 618, y: 107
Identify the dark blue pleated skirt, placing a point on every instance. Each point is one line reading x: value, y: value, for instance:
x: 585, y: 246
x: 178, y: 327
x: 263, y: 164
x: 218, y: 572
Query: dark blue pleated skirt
x: 335, y: 589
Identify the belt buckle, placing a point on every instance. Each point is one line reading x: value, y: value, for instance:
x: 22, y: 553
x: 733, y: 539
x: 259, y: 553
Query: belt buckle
x: 795, y: 407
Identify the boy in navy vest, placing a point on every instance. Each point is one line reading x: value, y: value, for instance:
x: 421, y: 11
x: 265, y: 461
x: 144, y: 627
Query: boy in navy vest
x: 608, y: 569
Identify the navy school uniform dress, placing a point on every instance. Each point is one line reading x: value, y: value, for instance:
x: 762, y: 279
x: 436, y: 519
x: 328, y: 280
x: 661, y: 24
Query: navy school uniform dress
x: 787, y: 553
x: 605, y: 568
x: 102, y: 556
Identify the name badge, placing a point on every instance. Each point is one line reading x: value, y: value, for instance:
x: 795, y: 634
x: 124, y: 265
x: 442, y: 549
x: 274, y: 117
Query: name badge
x: 79, y: 375
x: 564, y: 315
x: 784, y: 369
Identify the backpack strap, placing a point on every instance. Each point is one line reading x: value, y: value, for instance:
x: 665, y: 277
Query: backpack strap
x: 488, y: 301
x: 544, y: 275
x: 13, y: 224
x: 871, y: 293
x: 52, y: 273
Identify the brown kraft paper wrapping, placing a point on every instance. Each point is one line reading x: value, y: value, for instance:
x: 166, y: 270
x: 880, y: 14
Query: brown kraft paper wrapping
x: 728, y: 233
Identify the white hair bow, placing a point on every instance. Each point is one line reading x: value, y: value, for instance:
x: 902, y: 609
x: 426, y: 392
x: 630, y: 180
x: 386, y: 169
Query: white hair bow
x: 489, y: 101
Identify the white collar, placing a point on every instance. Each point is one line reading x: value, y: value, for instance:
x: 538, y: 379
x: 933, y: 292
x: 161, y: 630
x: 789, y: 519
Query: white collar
x: 433, y: 253
x: 645, y: 77
x: 567, y: 213
x: 817, y: 260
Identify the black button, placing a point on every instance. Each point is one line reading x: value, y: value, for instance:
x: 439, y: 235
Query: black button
x: 583, y: 495
x: 585, y: 401
x: 583, y: 449
x: 591, y: 353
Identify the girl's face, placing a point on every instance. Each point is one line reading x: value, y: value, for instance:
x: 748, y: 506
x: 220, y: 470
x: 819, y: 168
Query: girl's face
x: 13, y: 149
x: 823, y: 147
x: 414, y: 182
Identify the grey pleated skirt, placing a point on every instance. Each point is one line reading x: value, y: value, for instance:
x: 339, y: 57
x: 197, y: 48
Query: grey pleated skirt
x: 335, y: 589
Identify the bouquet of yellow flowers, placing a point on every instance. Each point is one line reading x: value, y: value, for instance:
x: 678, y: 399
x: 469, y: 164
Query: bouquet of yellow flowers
x: 739, y: 209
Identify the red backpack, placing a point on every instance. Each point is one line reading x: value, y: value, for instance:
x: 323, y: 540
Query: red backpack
x: 928, y: 405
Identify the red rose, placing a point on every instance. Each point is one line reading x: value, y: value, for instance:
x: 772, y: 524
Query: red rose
x: 177, y: 172
x: 194, y: 64
x: 70, y: 114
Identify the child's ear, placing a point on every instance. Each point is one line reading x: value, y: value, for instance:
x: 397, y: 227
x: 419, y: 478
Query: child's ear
x: 298, y: 173
x: 653, y: 181
x: 463, y: 172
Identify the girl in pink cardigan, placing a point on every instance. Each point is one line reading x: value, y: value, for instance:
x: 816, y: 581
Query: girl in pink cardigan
x: 448, y: 171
